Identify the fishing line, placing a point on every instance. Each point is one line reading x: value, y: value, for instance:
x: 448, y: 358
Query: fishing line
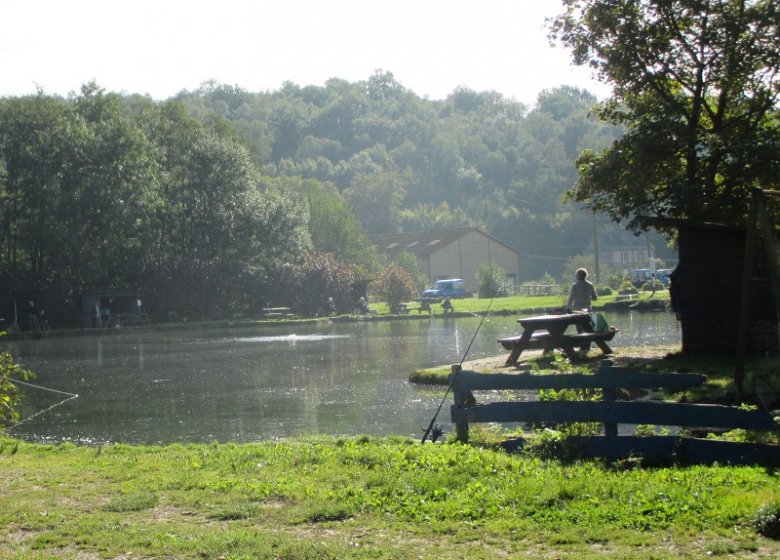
x: 454, y: 375
x: 70, y: 396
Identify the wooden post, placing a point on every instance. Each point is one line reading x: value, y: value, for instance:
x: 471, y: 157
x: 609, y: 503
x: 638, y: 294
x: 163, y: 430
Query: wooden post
x: 608, y: 395
x: 459, y: 396
x: 747, y: 285
x: 770, y: 253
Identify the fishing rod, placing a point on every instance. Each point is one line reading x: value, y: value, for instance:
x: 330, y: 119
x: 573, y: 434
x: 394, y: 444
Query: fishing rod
x: 70, y: 397
x: 437, y: 430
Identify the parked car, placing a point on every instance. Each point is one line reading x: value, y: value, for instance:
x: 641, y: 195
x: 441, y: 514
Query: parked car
x: 451, y: 288
x: 663, y: 275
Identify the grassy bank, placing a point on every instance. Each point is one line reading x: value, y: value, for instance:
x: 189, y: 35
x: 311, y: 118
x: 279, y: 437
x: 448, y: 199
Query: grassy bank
x: 367, y: 498
x: 519, y: 304
x: 380, y: 311
x: 762, y: 384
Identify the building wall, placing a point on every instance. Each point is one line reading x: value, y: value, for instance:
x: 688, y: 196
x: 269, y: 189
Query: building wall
x: 462, y: 258
x: 626, y: 258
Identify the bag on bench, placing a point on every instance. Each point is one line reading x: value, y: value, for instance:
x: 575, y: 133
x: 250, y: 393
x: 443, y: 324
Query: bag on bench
x: 599, y: 322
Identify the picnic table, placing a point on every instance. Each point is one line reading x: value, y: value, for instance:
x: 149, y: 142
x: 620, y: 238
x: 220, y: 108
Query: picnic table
x: 276, y: 312
x: 548, y: 332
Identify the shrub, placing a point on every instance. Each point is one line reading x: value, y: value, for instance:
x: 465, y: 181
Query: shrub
x: 604, y: 291
x: 616, y: 279
x: 766, y: 521
x: 653, y: 285
x: 409, y: 263
x: 628, y: 288
x: 318, y: 277
x: 492, y: 282
x: 10, y: 397
x: 394, y: 285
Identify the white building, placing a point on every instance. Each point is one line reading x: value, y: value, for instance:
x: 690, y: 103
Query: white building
x: 455, y: 253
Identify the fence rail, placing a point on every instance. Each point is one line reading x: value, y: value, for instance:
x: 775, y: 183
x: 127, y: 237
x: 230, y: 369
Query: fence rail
x: 538, y: 289
x: 611, y: 412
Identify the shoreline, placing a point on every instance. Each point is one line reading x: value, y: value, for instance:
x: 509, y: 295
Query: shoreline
x: 620, y: 307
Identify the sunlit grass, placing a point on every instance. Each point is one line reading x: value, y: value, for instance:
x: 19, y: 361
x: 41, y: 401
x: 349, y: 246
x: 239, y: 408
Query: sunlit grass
x: 366, y: 497
x: 511, y: 304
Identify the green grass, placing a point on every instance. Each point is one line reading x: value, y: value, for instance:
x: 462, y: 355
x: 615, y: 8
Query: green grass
x: 367, y: 497
x: 511, y: 304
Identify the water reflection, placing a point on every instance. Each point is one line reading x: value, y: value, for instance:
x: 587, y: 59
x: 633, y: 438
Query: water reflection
x: 244, y: 385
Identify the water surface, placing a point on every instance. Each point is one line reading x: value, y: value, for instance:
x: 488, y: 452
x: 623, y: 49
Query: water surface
x: 262, y: 383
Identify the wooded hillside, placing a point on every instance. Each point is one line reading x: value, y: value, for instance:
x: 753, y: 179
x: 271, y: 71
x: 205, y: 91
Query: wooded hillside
x: 406, y: 163
x: 218, y: 202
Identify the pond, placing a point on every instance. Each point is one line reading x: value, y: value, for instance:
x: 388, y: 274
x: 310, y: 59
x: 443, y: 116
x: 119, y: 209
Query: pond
x: 247, y: 384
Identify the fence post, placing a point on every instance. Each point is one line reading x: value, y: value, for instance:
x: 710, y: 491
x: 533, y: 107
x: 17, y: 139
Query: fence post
x: 609, y: 394
x: 459, y: 396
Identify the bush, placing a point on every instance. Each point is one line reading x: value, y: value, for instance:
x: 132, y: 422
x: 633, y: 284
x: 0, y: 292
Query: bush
x: 766, y: 521
x: 653, y: 285
x: 628, y: 288
x: 616, y: 279
x: 10, y: 397
x: 604, y: 291
x: 394, y: 285
x: 320, y: 276
x: 410, y: 264
x: 492, y: 281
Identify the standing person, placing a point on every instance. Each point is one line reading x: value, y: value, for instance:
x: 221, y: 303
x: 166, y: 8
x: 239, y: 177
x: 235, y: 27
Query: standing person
x: 581, y: 293
x: 97, y: 318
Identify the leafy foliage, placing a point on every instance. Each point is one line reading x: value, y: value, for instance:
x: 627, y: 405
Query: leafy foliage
x: 695, y: 85
x: 202, y: 201
x: 766, y: 521
x: 320, y: 276
x: 335, y: 230
x: 404, y: 162
x: 492, y: 280
x: 99, y: 199
x: 410, y: 264
x: 10, y: 397
x: 394, y: 285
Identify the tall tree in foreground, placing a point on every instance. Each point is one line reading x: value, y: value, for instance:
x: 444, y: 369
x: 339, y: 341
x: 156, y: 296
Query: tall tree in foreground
x: 696, y: 86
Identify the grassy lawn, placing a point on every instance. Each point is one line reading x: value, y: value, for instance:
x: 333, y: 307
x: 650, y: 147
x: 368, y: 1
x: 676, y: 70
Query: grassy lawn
x: 367, y: 497
x: 390, y: 497
x: 513, y: 304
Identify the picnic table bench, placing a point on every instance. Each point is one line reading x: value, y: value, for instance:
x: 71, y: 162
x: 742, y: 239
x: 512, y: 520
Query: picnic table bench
x: 548, y: 332
x: 129, y: 320
x: 276, y: 312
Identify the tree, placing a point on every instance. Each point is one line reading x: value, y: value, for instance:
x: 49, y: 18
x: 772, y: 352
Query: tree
x: 394, y: 285
x: 376, y: 200
x: 318, y: 277
x: 492, y: 280
x: 336, y: 231
x: 407, y: 261
x: 77, y: 175
x: 695, y: 85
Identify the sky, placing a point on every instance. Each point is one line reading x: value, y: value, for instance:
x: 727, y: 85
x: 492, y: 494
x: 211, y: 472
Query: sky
x: 161, y: 47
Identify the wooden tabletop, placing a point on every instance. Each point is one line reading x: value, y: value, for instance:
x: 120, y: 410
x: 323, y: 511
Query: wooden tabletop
x: 540, y: 321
